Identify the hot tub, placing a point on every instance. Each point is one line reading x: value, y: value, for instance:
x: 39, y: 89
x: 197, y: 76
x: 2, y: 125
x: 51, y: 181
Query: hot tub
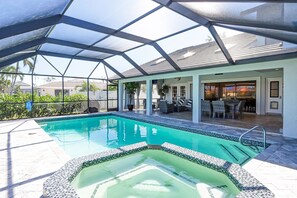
x: 142, y: 170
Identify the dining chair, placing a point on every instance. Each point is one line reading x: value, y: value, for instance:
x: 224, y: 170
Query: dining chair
x: 219, y: 107
x: 206, y: 107
x: 239, y: 108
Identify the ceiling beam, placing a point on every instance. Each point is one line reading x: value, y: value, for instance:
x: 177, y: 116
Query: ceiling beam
x: 98, y: 28
x: 221, y: 44
x: 45, y: 53
x: 41, y: 41
x: 28, y: 26
x: 113, y: 69
x: 125, y: 56
x: 81, y: 46
x: 166, y: 56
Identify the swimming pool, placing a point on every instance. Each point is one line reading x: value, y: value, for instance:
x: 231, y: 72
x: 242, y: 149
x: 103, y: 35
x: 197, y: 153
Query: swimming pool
x: 83, y: 136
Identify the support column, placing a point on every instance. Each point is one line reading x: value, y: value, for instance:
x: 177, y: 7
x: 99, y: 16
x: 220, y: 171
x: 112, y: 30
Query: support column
x: 289, y: 102
x: 149, y: 90
x: 88, y: 95
x: 196, y: 111
x: 120, y: 96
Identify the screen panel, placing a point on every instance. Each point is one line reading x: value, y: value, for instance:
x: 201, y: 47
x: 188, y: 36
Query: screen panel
x: 98, y: 95
x: 244, y: 45
x: 12, y: 41
x: 19, y: 11
x: 193, y: 48
x: 149, y: 59
x: 94, y: 54
x: 110, y: 74
x: 123, y: 66
x: 23, y: 67
x: 159, y: 24
x: 99, y: 72
x: 80, y: 68
x: 47, y: 89
x: 118, y: 44
x: 43, y: 67
x: 59, y: 63
x: 272, y: 15
x: 113, y: 14
x: 59, y: 49
x: 75, y: 34
x: 21, y: 53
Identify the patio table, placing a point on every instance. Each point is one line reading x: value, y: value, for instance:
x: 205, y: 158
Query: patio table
x: 232, y: 106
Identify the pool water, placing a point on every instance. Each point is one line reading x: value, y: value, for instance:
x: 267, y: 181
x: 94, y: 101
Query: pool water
x: 152, y: 173
x: 83, y: 136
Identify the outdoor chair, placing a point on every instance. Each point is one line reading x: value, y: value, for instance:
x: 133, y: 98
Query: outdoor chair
x: 180, y: 105
x: 189, y: 103
x: 219, y: 107
x: 239, y: 108
x: 165, y: 107
x: 206, y: 107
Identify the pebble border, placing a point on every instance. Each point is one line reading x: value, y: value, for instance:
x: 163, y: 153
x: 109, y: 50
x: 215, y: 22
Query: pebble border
x: 59, y: 184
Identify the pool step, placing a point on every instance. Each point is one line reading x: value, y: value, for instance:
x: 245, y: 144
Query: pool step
x: 238, y: 155
x: 255, y: 148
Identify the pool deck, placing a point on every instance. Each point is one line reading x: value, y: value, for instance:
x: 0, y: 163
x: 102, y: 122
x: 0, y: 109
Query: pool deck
x: 28, y: 156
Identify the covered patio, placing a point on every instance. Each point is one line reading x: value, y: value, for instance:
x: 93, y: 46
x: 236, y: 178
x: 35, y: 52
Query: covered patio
x: 272, y: 123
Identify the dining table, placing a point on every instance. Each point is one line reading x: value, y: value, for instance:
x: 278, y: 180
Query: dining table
x: 232, y: 106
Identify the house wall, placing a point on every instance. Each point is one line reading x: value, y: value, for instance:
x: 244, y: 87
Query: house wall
x: 289, y: 67
x: 259, y: 76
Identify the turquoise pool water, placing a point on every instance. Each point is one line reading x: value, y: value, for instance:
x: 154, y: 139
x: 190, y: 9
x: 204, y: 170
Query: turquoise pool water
x: 83, y: 136
x: 152, y: 173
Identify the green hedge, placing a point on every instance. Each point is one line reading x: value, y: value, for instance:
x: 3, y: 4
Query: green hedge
x: 13, y: 106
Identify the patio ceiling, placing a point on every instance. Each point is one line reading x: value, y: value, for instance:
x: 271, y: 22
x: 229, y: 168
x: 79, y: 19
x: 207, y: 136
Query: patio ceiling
x: 115, y: 33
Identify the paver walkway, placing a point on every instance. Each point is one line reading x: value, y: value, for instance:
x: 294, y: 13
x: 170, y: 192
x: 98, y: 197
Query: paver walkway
x: 27, y: 157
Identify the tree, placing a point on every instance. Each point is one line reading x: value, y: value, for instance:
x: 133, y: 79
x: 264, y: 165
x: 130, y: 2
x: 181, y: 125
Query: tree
x: 84, y: 87
x: 16, y: 73
x: 112, y: 88
x: 6, y: 78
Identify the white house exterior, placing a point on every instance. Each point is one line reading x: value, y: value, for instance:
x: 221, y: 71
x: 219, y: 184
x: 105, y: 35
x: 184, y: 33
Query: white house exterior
x: 262, y: 72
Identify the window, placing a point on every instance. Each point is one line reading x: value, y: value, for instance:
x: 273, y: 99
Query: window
x: 233, y: 91
x: 59, y: 92
x: 183, y: 91
x: 211, y: 91
x: 274, y: 89
x: 174, y: 92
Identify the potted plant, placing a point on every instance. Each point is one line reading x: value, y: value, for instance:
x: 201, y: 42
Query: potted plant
x: 131, y: 88
x: 163, y: 91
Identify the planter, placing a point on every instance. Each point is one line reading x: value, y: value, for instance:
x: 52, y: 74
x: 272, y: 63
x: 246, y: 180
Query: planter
x: 130, y: 107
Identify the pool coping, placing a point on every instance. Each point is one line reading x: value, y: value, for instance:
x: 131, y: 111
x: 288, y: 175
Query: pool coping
x: 59, y: 184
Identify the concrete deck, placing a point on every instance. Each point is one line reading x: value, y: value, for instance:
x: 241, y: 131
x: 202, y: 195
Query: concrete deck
x: 28, y: 156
